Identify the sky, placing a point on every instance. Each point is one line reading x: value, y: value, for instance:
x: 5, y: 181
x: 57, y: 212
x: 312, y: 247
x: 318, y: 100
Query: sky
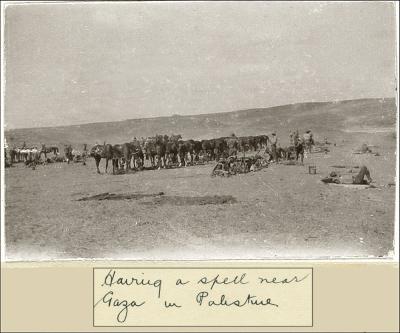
x: 92, y: 62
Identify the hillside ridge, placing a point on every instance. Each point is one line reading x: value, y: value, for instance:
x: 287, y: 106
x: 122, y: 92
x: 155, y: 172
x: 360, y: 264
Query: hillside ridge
x: 321, y: 117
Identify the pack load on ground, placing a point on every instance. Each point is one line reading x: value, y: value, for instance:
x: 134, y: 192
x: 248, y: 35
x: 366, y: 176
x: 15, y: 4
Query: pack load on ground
x: 234, y: 165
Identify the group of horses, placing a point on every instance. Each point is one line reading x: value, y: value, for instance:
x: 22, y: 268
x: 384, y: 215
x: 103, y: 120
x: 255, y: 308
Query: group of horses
x: 32, y: 154
x: 163, y: 151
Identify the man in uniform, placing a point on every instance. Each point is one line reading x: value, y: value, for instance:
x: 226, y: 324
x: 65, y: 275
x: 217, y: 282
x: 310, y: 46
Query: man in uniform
x: 291, y: 139
x: 337, y: 178
x: 299, y: 149
x: 5, y: 153
x: 296, y: 136
x: 274, y: 143
x: 84, y: 153
x: 308, y: 140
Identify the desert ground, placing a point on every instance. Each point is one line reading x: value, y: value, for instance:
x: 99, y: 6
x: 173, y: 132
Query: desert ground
x: 278, y: 212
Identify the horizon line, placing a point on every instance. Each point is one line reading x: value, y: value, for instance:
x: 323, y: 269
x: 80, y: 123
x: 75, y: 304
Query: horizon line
x: 198, y: 114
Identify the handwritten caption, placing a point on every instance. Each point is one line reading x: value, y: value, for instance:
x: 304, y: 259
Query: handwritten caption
x: 202, y: 297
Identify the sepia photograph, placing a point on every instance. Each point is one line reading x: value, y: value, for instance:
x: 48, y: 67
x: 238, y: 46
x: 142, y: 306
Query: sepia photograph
x: 199, y: 130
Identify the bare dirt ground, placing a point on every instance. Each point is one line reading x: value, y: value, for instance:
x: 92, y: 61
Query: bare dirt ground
x: 278, y: 212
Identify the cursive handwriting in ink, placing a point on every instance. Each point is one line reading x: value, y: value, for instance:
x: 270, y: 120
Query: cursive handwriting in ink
x: 203, y: 297
x: 217, y: 280
x: 169, y: 305
x: 282, y: 281
x: 179, y: 282
x: 112, y: 279
x: 115, y: 302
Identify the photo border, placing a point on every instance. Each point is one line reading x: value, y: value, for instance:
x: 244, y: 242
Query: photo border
x: 62, y: 263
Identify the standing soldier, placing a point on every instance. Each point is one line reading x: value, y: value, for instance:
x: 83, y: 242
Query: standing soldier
x: 299, y: 149
x: 84, y: 153
x: 308, y: 140
x: 291, y: 138
x: 274, y: 142
x: 232, y: 144
x: 5, y: 152
x: 68, y: 153
x: 296, y: 136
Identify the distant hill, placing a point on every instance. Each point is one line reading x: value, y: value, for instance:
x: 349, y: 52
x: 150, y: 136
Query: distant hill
x: 325, y: 118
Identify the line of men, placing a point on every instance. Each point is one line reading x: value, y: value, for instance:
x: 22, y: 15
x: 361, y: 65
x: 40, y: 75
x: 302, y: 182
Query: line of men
x: 298, y: 145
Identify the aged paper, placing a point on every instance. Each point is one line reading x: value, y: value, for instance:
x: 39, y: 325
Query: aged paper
x: 202, y: 297
x: 199, y: 166
x: 51, y: 297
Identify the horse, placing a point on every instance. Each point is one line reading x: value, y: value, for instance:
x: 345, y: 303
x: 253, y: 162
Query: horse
x: 32, y: 156
x: 160, y: 148
x: 137, y: 154
x: 46, y: 150
x: 125, y: 152
x: 171, y: 150
x: 220, y: 148
x: 118, y: 156
x: 13, y: 155
x: 24, y: 154
x: 102, y: 151
x: 150, y: 150
x: 182, y: 151
x: 207, y: 147
x: 196, y: 149
x: 189, y: 151
x: 261, y: 141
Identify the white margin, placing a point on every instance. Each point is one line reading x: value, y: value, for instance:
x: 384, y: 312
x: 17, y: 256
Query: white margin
x: 396, y: 214
x: 2, y: 163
